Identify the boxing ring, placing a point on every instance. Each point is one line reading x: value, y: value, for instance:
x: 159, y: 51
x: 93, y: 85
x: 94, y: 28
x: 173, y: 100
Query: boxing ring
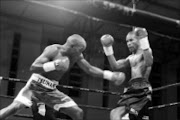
x: 127, y: 13
x: 95, y: 91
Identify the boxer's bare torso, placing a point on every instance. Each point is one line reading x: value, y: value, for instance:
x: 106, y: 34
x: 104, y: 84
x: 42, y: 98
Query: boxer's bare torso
x: 55, y: 52
x: 138, y: 66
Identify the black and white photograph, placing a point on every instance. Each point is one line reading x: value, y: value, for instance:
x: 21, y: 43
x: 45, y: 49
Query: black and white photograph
x: 89, y: 59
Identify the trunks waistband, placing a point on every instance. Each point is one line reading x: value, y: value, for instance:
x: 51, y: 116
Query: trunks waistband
x: 44, y: 81
x: 139, y: 83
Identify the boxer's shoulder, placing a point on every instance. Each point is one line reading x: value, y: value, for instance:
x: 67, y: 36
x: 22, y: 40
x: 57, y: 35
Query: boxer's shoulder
x: 129, y: 57
x: 54, y: 47
x: 52, y: 50
x: 79, y: 57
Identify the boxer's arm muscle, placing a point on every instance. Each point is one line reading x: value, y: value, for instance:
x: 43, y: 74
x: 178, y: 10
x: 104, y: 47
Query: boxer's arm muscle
x: 116, y: 65
x: 88, y: 68
x: 147, y: 54
x: 116, y: 77
x: 147, y: 73
x: 37, y: 65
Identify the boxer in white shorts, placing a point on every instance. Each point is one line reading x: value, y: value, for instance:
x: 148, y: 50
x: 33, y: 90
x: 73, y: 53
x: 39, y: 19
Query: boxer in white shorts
x: 48, y: 69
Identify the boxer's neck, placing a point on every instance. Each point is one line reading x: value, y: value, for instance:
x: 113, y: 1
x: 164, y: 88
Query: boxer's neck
x: 67, y: 51
x: 136, y: 51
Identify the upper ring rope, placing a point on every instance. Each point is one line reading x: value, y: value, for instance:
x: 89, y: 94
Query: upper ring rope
x: 65, y: 86
x: 166, y: 86
x: 124, y: 9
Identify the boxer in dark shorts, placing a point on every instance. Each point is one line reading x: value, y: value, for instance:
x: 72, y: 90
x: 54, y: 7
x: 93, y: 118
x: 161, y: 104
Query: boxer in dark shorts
x: 138, y: 91
x: 136, y: 96
x: 47, y: 70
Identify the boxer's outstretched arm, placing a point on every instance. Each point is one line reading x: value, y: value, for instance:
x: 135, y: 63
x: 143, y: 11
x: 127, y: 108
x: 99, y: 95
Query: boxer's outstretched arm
x: 116, y: 65
x: 88, y: 68
x: 45, y: 57
x: 116, y: 77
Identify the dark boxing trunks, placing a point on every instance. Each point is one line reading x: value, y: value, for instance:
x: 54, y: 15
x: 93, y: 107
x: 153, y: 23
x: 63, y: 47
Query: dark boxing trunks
x: 137, y: 95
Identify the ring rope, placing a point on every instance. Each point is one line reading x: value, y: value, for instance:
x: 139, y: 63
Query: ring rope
x: 109, y: 109
x: 150, y: 108
x: 21, y: 115
x: 91, y: 90
x: 166, y: 86
x: 100, y: 91
x: 81, y: 105
x: 31, y: 116
x: 65, y: 86
x: 95, y: 107
x: 24, y: 115
x: 101, y: 20
x: 164, y: 105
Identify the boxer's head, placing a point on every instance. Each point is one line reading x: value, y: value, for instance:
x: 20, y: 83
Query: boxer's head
x: 132, y: 42
x: 76, y: 44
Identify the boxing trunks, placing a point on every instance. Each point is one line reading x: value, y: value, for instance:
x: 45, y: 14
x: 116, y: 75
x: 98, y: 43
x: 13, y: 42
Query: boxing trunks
x: 137, y: 95
x: 41, y: 89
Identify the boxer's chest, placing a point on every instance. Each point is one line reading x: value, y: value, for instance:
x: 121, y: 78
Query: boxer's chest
x: 136, y: 59
x: 72, y: 60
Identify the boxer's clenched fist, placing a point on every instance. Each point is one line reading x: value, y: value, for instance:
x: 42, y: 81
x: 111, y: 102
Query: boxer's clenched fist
x: 62, y: 63
x: 116, y: 77
x: 142, y: 36
x: 107, y: 42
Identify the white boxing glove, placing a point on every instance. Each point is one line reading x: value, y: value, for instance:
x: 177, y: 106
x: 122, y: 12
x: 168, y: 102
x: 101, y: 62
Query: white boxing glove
x: 117, y: 77
x: 107, y: 42
x: 142, y: 35
x: 61, y: 63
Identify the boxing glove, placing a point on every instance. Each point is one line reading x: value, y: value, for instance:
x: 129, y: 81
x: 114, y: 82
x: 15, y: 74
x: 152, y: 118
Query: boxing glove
x: 117, y: 77
x: 60, y: 64
x: 107, y: 42
x: 142, y: 35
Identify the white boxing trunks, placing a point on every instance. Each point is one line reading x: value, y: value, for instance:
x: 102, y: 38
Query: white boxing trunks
x: 41, y: 89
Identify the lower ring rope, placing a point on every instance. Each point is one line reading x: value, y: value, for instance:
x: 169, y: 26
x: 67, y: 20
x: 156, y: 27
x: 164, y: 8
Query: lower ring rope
x: 30, y: 116
x: 164, y: 105
x: 99, y: 91
x: 24, y: 115
x: 105, y: 108
x: 21, y: 115
x: 81, y: 105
